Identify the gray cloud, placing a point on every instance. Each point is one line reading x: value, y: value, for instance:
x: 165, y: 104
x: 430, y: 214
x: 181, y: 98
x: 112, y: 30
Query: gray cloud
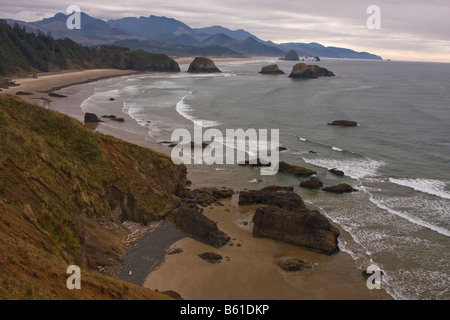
x: 410, y: 28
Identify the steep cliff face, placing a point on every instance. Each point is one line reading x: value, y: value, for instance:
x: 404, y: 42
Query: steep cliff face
x: 64, y: 192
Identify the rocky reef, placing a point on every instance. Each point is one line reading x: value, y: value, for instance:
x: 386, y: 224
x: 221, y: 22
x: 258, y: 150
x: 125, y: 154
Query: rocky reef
x: 343, y: 123
x: 305, y: 71
x: 203, y: 65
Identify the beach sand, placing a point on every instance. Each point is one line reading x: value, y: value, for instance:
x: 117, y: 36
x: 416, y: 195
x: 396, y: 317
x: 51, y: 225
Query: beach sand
x: 250, y: 271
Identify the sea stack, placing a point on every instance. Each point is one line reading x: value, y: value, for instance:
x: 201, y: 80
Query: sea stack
x: 203, y: 65
x: 305, y: 71
x: 271, y: 69
x: 292, y: 56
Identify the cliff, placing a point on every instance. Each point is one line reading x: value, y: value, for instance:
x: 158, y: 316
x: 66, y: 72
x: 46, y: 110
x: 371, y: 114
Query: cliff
x: 203, y: 65
x: 64, y: 191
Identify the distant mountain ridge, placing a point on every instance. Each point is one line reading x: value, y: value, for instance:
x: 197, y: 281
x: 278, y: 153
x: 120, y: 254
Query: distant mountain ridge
x: 179, y: 39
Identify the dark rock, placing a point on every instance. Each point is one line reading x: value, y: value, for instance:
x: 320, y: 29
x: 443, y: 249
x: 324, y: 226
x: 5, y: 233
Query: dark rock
x: 91, y: 117
x: 312, y: 152
x: 206, y: 196
x: 306, y: 228
x: 118, y: 119
x: 340, y: 188
x: 295, y: 170
x: 195, y: 225
x: 282, y: 149
x: 312, y: 183
x: 23, y: 93
x: 203, y: 65
x: 343, y: 123
x: 173, y: 294
x: 112, y: 99
x: 211, y: 257
x: 336, y: 172
x: 316, y: 58
x: 56, y: 95
x: 174, y: 251
x: 272, y: 69
x: 109, y: 117
x: 283, y: 197
x: 304, y: 71
x: 293, y: 264
x: 292, y: 55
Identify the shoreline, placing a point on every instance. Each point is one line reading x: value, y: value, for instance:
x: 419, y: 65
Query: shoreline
x: 330, y: 281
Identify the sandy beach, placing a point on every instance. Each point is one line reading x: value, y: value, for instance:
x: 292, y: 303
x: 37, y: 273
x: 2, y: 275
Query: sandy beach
x: 248, y: 269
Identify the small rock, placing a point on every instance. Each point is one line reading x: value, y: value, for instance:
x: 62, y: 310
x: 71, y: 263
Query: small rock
x: 293, y: 264
x: 174, y: 251
x: 312, y: 183
x: 91, y: 117
x: 112, y: 99
x: 336, y: 172
x: 343, y: 123
x: 340, y: 188
x: 211, y: 257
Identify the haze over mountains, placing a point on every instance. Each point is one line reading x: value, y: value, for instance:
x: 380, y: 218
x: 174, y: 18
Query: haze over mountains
x: 175, y: 38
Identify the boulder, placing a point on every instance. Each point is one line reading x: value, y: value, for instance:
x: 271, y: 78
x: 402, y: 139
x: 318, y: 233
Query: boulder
x: 336, y: 172
x: 195, y: 225
x: 304, y: 71
x: 340, y: 188
x: 292, y: 55
x: 203, y: 65
x: 23, y: 93
x: 295, y: 170
x: 313, y: 183
x: 109, y: 117
x: 283, y: 197
x: 206, y: 196
x: 316, y: 58
x: 293, y: 264
x: 118, y: 119
x: 343, y: 123
x: 91, y: 117
x: 56, y: 95
x: 305, y: 228
x: 271, y: 69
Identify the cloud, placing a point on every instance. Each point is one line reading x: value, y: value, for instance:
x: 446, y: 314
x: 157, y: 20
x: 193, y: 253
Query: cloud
x: 407, y: 26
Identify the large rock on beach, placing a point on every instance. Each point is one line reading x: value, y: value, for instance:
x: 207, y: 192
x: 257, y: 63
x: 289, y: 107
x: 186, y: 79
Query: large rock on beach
x: 203, y: 65
x: 283, y: 197
x: 305, y: 228
x: 91, y: 118
x: 195, y: 225
x: 304, y: 71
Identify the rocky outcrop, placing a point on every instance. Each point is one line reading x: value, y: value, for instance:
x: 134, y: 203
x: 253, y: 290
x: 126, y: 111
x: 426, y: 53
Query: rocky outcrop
x: 343, y: 123
x: 203, y: 65
x: 340, y: 188
x: 293, y: 264
x: 292, y: 55
x: 211, y: 257
x: 56, y: 95
x: 336, y: 172
x: 313, y: 183
x: 271, y: 69
x: 91, y: 118
x: 305, y: 228
x: 206, y: 196
x: 282, y: 197
x: 295, y: 171
x: 304, y: 71
x: 195, y: 225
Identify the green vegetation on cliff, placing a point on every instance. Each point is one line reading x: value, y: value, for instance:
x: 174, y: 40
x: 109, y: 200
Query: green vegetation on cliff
x: 22, y: 52
x: 64, y: 191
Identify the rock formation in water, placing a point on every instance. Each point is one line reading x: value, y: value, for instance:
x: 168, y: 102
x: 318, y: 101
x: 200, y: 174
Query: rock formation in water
x: 292, y: 55
x: 305, y: 71
x: 271, y: 69
x: 340, y: 188
x: 343, y: 123
x: 203, y: 65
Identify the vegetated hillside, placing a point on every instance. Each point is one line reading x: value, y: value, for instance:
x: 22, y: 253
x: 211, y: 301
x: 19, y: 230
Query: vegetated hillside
x: 22, y: 52
x: 64, y: 192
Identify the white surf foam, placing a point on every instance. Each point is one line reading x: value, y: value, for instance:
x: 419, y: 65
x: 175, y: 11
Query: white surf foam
x: 337, y: 149
x: 354, y: 168
x: 185, y: 110
x: 429, y: 186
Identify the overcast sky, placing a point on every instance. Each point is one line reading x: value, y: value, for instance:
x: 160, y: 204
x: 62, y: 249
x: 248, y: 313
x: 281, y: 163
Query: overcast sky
x: 410, y: 29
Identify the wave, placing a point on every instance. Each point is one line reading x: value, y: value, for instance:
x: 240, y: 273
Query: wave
x: 380, y: 204
x: 429, y: 186
x: 354, y: 168
x: 337, y: 149
x: 185, y: 110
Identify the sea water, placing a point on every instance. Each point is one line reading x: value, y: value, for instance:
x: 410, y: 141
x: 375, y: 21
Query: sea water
x: 398, y: 157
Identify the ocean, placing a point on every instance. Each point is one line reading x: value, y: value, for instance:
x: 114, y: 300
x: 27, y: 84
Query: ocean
x: 398, y: 157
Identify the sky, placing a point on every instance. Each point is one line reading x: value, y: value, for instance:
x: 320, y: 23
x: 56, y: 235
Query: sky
x: 414, y: 30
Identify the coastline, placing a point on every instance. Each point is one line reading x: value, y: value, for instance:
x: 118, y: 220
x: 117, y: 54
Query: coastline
x: 336, y: 277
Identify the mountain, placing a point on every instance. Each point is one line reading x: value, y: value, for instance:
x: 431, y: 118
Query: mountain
x: 316, y: 49
x: 178, y: 50
x: 234, y: 34
x: 150, y: 27
x: 219, y: 39
x: 93, y: 32
x: 250, y: 46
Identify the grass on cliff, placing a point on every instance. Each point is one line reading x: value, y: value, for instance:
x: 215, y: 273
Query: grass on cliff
x: 64, y: 191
